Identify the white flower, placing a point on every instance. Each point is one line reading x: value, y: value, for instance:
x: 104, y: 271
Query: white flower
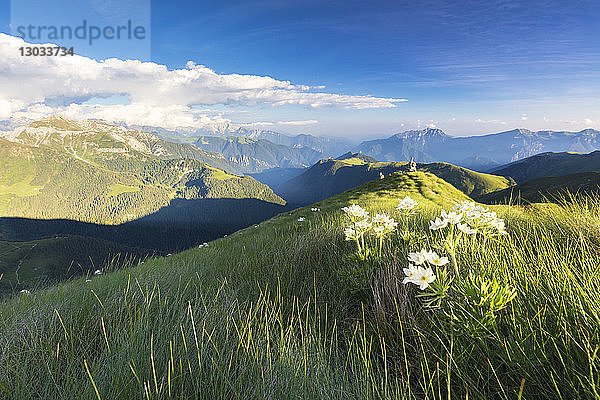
x: 418, y: 258
x: 88, y: 280
x: 452, y: 217
x: 464, y: 206
x: 355, y: 211
x: 315, y: 209
x: 488, y: 217
x: 97, y: 272
x: 436, y: 260
x: 25, y: 291
x: 350, y: 234
x: 466, y: 229
x: 390, y: 225
x: 497, y: 223
x: 169, y: 255
x: 474, y: 214
x: 363, y: 225
x: 301, y: 219
x: 438, y: 224
x: 424, y: 277
x: 410, y: 273
x: 406, y: 203
x: 379, y: 230
x: 380, y: 219
x: 467, y: 207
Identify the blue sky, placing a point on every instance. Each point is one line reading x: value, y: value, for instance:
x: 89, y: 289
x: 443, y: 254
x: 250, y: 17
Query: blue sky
x: 467, y: 67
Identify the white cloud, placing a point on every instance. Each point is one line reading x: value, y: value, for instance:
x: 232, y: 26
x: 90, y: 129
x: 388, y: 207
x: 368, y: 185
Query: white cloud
x: 524, y: 117
x: 490, y: 121
x: 589, y: 122
x: 155, y: 92
x: 297, y: 123
x: 427, y: 124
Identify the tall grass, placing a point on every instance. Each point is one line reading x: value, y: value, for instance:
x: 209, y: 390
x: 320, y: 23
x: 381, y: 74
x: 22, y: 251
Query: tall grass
x: 265, y: 313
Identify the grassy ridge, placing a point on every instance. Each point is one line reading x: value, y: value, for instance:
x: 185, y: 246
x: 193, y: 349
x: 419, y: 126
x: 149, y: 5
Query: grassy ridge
x: 550, y: 165
x: 472, y: 183
x: 330, y: 177
x: 265, y: 313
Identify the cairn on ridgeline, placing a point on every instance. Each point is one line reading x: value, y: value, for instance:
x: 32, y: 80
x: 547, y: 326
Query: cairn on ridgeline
x: 412, y: 165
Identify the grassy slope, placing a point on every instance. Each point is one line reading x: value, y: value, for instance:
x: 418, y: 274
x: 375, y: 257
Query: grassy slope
x: 470, y: 182
x: 550, y: 164
x: 551, y: 188
x: 37, y: 263
x: 263, y: 313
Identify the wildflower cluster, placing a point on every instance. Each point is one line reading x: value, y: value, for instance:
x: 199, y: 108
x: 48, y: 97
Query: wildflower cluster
x: 470, y: 302
x: 417, y: 273
x: 362, y: 226
x: 407, y: 205
x: 470, y: 218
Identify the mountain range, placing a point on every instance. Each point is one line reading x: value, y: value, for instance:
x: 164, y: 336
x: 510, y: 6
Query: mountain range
x: 481, y: 153
x: 47, y: 165
x: 93, y: 190
x: 256, y: 150
x: 258, y: 155
x: 325, y: 145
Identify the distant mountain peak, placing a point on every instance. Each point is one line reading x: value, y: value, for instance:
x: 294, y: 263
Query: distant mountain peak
x: 57, y: 122
x: 422, y: 134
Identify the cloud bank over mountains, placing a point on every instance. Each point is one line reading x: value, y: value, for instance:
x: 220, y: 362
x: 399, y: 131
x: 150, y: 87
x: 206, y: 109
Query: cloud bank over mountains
x: 33, y: 87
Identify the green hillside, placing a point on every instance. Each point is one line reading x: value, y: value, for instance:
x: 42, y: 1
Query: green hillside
x: 472, y: 183
x: 104, y: 176
x: 288, y: 310
x: 552, y: 188
x: 550, y: 164
x: 330, y: 177
x: 113, y: 191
